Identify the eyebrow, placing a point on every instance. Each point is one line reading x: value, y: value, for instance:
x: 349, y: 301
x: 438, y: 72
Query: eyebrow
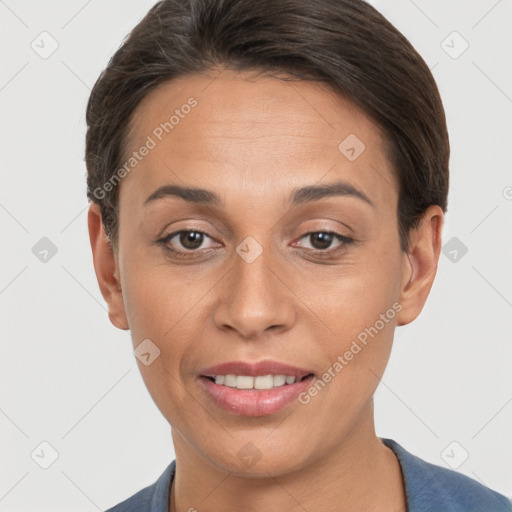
x: 297, y: 196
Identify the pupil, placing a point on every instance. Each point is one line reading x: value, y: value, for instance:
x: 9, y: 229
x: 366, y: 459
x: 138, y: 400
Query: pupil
x: 325, y: 240
x: 191, y: 239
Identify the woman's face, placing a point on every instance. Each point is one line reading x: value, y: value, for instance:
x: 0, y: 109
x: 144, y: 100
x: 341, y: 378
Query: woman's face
x: 272, y: 270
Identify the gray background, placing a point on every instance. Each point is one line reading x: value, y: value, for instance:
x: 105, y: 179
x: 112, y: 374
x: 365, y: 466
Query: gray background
x: 69, y: 378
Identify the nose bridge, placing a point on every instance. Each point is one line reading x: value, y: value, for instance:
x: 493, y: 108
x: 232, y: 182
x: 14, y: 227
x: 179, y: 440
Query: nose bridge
x: 254, y: 299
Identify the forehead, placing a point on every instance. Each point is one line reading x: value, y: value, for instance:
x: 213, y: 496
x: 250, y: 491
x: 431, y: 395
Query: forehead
x: 257, y: 133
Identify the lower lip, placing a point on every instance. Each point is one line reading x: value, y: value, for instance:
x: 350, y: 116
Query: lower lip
x: 254, y: 402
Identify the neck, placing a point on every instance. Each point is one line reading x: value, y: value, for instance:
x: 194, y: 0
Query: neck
x: 359, y: 473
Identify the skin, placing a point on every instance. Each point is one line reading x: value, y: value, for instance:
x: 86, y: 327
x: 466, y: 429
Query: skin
x: 252, y: 139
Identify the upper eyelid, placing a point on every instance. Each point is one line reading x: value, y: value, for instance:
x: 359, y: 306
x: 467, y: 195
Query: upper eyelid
x: 200, y: 230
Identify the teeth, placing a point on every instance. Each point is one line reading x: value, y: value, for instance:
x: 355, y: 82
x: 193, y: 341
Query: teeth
x: 279, y: 380
x: 230, y: 380
x: 263, y: 382
x: 244, y: 382
x: 259, y: 382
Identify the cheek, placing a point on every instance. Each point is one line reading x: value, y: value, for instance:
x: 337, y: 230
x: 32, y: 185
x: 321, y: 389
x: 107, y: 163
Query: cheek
x: 169, y: 307
x: 357, y: 299
x: 159, y: 311
x: 152, y: 295
x: 361, y: 311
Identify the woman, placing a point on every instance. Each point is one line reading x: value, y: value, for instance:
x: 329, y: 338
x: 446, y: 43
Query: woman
x: 268, y: 184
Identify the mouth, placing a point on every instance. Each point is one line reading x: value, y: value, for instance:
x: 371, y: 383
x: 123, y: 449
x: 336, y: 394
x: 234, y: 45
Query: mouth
x: 254, y: 389
x: 258, y: 382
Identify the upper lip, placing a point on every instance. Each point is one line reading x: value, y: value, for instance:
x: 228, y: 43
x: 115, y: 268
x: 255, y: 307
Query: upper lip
x: 253, y: 369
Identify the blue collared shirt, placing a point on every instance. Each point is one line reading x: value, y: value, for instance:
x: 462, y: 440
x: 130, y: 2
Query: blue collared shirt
x: 428, y: 488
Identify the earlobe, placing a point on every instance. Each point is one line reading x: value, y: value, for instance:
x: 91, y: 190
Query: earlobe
x: 419, y: 264
x: 106, y: 268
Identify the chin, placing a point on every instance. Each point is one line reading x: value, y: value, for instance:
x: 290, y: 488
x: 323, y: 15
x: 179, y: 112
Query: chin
x: 253, y: 459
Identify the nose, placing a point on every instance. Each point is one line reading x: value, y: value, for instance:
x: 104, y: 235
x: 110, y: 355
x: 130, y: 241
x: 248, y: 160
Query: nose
x: 254, y: 299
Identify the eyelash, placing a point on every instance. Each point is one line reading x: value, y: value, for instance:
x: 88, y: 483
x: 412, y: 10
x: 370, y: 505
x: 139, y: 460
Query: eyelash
x: 346, y: 241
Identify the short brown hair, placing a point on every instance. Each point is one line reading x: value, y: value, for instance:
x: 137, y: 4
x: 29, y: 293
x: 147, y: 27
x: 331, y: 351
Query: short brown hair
x: 346, y: 44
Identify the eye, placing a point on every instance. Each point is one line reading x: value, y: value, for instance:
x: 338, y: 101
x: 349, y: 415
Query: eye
x: 184, y: 241
x: 321, y: 241
x: 188, y: 243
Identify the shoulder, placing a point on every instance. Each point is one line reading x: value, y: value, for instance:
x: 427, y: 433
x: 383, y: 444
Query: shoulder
x: 153, y: 498
x: 431, y: 488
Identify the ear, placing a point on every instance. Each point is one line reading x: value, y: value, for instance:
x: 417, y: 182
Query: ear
x: 419, y: 264
x: 106, y: 268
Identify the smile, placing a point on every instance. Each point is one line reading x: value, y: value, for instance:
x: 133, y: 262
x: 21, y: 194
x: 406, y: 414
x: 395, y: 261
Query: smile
x: 257, y: 382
